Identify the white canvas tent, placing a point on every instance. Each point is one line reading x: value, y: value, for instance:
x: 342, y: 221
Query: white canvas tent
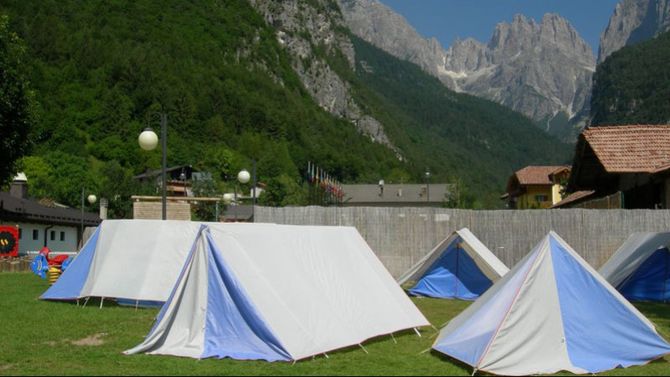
x: 551, y: 312
x: 460, y: 266
x: 137, y: 260
x: 284, y: 294
x: 640, y: 268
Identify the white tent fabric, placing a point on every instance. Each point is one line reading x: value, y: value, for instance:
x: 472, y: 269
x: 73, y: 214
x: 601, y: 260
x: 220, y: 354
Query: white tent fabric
x: 129, y: 259
x: 552, y: 312
x: 487, y: 262
x: 279, y: 293
x: 635, y: 251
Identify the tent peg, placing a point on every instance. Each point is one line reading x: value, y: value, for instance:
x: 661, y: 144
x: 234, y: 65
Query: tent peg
x: 417, y: 332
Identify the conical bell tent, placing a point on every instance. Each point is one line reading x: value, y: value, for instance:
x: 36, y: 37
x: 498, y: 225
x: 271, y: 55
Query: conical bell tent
x: 552, y: 312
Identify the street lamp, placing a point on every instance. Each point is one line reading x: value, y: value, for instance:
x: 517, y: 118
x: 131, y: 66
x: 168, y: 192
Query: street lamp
x: 427, y: 174
x: 242, y: 177
x: 91, y: 200
x: 148, y: 141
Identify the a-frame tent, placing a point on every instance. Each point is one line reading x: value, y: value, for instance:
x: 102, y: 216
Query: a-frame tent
x: 552, y: 312
x: 640, y: 268
x: 285, y: 295
x: 136, y: 260
x: 460, y: 267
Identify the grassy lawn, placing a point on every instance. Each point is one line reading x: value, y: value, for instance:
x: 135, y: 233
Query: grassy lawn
x: 47, y: 338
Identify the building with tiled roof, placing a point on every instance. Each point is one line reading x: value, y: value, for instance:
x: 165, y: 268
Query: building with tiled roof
x: 536, y: 186
x: 632, y: 162
x: 39, y: 225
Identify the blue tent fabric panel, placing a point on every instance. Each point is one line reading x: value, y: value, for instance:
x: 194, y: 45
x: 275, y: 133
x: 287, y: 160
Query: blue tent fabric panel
x: 650, y: 282
x: 234, y: 328
x: 595, y: 344
x: 453, y: 275
x: 69, y: 285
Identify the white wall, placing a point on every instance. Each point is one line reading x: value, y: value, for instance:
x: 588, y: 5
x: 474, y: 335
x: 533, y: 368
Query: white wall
x: 27, y: 243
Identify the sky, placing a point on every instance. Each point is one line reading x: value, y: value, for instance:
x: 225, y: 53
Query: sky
x: 448, y: 20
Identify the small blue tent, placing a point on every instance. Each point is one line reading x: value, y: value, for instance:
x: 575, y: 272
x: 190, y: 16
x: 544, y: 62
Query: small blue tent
x: 460, y: 267
x: 640, y: 268
x: 552, y: 312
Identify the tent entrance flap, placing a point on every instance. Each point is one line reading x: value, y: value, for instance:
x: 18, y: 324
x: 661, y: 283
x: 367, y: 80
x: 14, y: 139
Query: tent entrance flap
x: 650, y: 281
x: 454, y: 275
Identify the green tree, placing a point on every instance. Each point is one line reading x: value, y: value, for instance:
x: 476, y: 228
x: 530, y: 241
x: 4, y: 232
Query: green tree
x: 282, y: 191
x: 16, y: 108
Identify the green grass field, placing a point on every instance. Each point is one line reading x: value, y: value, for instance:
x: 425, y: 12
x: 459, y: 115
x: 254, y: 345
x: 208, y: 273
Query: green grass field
x: 47, y: 338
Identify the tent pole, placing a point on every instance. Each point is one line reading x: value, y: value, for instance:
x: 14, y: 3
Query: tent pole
x: 85, y: 302
x: 393, y: 337
x: 363, y: 348
x: 474, y: 371
x: 417, y: 332
x: 137, y: 304
x: 326, y: 355
x: 102, y: 301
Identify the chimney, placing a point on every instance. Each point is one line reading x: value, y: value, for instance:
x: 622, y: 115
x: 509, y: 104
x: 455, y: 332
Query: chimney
x: 19, y: 187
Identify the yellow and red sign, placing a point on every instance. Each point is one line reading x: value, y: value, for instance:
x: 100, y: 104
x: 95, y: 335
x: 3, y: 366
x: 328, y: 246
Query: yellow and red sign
x: 9, y: 241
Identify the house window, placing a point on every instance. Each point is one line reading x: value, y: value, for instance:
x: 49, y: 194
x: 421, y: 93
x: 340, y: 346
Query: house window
x: 53, y: 235
x: 541, y: 198
x: 62, y: 236
x: 36, y: 234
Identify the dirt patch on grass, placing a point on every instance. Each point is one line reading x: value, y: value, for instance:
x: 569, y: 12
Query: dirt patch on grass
x: 90, y: 341
x: 6, y: 367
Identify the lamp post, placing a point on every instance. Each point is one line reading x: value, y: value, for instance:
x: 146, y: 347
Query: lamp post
x: 243, y: 177
x: 427, y: 174
x: 148, y: 141
x: 91, y: 199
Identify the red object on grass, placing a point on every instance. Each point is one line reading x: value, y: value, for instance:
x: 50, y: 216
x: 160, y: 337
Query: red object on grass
x: 55, y: 261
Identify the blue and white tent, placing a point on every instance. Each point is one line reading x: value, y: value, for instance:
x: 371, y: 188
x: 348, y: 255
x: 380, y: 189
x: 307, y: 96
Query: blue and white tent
x: 640, y: 268
x: 290, y: 293
x: 459, y: 267
x: 552, y: 312
x: 136, y: 260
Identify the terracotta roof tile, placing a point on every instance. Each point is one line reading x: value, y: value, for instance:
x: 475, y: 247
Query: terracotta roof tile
x: 631, y: 149
x: 538, y: 175
x: 575, y: 196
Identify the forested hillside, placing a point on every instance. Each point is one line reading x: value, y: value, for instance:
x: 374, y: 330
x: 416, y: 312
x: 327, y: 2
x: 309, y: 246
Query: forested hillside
x: 632, y: 86
x: 102, y: 70
x: 468, y: 140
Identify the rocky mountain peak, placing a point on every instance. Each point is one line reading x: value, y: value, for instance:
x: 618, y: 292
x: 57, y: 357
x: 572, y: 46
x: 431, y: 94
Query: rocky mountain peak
x: 541, y: 69
x: 634, y: 21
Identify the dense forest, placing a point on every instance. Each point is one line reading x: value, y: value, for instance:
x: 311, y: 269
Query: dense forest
x: 632, y: 86
x: 101, y: 71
